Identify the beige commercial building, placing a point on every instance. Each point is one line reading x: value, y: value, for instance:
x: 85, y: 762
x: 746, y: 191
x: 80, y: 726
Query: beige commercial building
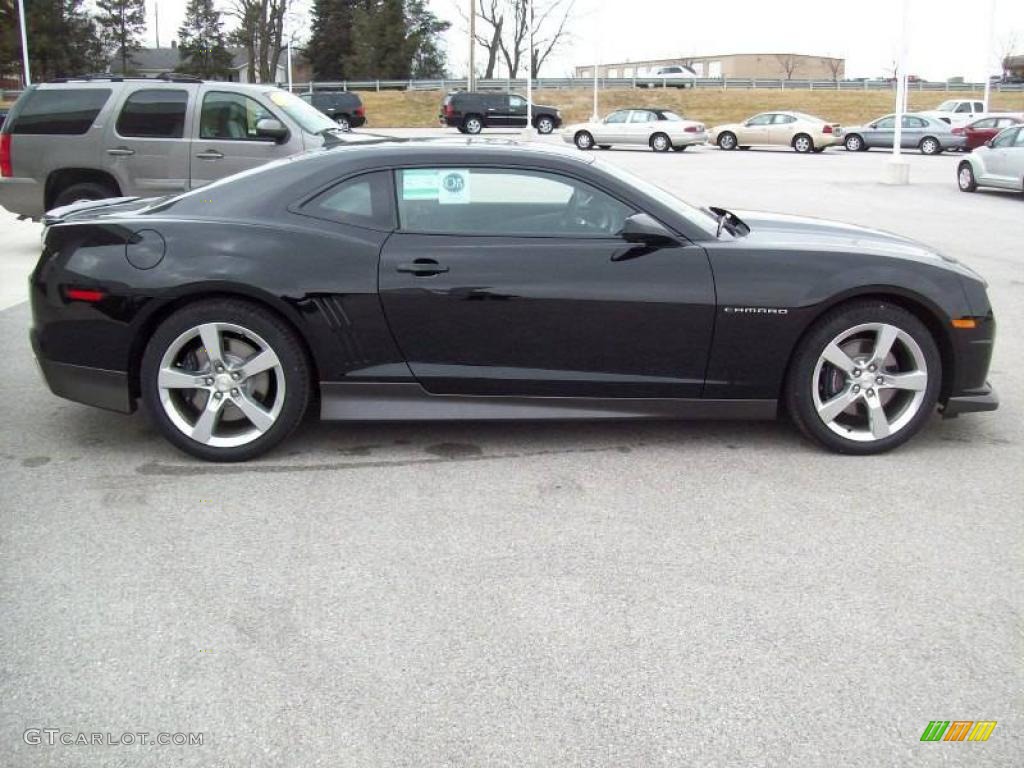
x: 769, y: 66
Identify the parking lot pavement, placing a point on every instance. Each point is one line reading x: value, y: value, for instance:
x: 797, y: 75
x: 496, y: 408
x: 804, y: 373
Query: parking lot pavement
x: 600, y: 594
x: 19, y: 249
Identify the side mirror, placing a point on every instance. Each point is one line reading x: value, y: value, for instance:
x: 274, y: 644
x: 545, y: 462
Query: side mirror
x: 269, y: 128
x: 990, y: 143
x: 643, y: 229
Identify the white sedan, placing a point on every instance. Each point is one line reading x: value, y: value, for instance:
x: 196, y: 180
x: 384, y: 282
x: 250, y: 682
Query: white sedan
x: 659, y: 129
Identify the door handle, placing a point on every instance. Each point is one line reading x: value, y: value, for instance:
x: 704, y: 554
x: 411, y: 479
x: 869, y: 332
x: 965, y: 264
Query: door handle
x: 210, y: 154
x: 422, y: 268
x: 121, y: 152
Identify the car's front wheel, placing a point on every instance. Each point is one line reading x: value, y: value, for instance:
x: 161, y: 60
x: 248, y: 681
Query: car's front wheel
x: 727, y: 141
x: 965, y: 178
x: 865, y: 378
x: 225, y: 380
x: 584, y: 140
x: 854, y: 143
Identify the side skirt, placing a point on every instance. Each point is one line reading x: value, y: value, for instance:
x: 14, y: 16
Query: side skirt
x: 343, y: 401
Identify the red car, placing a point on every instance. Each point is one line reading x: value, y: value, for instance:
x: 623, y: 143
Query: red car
x: 985, y: 128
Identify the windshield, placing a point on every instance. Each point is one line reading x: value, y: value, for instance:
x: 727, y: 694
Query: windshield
x: 309, y: 118
x: 947, y: 106
x: 699, y: 217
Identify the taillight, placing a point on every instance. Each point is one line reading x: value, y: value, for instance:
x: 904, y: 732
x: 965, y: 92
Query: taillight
x: 5, y: 155
x: 691, y: 128
x: 84, y: 294
x: 449, y: 110
x: 959, y: 131
x: 827, y: 129
x: 361, y: 111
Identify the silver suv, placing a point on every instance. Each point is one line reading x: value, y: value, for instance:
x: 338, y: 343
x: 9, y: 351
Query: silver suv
x: 99, y: 137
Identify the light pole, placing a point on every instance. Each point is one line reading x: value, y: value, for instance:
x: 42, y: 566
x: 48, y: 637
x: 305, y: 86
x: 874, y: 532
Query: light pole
x: 471, y: 79
x: 988, y: 53
x: 529, y: 69
x: 24, y: 42
x: 897, y: 169
x: 597, y: 56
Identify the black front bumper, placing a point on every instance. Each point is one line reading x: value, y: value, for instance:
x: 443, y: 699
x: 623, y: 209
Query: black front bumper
x: 972, y: 401
x: 91, y: 386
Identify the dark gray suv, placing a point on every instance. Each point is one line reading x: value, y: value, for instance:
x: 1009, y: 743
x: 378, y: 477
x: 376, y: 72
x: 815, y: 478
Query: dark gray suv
x: 94, y: 138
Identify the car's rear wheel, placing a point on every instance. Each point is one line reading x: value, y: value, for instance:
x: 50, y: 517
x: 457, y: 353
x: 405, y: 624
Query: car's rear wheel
x: 604, y: 146
x: 473, y: 124
x: 803, y: 143
x: 225, y: 380
x: 865, y: 378
x: 965, y: 178
x: 83, y: 191
x: 727, y: 140
x: 680, y: 147
x: 584, y: 140
x: 854, y: 143
x: 545, y: 125
x: 930, y: 146
x: 660, y: 142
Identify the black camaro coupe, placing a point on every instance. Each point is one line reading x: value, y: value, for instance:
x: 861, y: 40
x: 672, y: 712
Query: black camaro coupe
x: 483, y: 280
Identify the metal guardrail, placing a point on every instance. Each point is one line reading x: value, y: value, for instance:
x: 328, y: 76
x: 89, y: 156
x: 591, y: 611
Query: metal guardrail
x: 646, y: 82
x: 566, y: 83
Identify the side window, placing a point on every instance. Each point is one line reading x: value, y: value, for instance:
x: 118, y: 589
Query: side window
x: 617, y: 117
x: 784, y: 119
x: 760, y: 120
x: 510, y: 202
x: 1019, y: 142
x: 965, y: 107
x: 65, y: 111
x: 154, y: 114
x: 230, y: 116
x: 983, y: 124
x: 1005, y: 139
x: 363, y: 201
x: 886, y: 123
x: 517, y: 102
x: 642, y: 116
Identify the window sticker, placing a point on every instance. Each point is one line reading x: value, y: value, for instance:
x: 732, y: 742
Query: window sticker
x: 420, y: 184
x: 454, y: 187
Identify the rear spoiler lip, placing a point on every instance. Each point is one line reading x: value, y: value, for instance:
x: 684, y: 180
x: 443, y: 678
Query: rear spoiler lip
x: 57, y: 215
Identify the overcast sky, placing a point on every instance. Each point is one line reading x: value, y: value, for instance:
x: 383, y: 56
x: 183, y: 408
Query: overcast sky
x: 942, y: 44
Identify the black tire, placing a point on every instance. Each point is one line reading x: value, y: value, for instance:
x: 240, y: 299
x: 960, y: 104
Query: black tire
x: 583, y: 140
x: 819, y: 150
x: 660, y: 142
x: 473, y: 124
x: 965, y: 178
x: 545, y: 125
x: 680, y: 147
x: 84, y: 190
x: 803, y: 143
x: 278, y: 336
x: 854, y: 143
x: 460, y: 129
x: 930, y: 146
x: 604, y: 146
x: 343, y: 123
x: 727, y: 140
x: 800, y: 381
x: 744, y: 148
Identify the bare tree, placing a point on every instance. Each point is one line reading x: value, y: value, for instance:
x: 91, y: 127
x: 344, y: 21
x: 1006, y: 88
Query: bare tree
x: 836, y: 65
x: 490, y: 16
x: 1008, y: 46
x: 504, y: 31
x: 260, y: 32
x: 549, y: 30
x: 788, y: 62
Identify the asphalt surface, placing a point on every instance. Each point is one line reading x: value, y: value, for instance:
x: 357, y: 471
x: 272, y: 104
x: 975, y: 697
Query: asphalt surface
x: 531, y: 594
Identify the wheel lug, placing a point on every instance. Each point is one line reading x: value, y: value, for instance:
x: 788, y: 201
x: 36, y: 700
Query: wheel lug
x: 234, y: 393
x: 879, y: 380
x: 236, y: 375
x: 872, y: 368
x: 871, y: 393
x: 209, y: 381
x: 856, y: 371
x: 856, y: 387
x: 219, y: 367
x: 217, y: 395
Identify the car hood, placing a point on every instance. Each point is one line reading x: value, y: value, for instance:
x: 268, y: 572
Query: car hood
x: 804, y: 232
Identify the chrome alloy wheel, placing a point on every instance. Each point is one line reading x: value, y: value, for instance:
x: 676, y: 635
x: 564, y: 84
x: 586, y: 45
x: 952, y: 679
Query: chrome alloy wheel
x: 221, y: 385
x: 869, y: 382
x: 660, y: 142
x: 802, y: 144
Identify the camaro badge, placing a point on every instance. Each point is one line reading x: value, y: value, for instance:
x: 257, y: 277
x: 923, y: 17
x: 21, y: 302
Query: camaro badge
x: 755, y: 311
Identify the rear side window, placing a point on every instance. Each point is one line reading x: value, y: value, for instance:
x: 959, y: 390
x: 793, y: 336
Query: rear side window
x: 363, y: 201
x: 65, y: 111
x: 154, y: 114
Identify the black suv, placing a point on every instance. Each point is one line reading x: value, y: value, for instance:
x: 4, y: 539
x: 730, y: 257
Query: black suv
x: 343, y: 107
x: 472, y: 111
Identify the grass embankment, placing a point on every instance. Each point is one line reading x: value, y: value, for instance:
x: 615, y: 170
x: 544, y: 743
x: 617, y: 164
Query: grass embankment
x: 419, y: 109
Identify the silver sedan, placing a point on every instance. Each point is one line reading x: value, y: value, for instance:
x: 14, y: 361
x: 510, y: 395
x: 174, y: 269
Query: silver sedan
x: 930, y: 135
x: 659, y: 129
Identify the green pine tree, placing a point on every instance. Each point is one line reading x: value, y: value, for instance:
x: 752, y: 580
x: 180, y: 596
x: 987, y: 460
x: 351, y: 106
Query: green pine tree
x: 202, y: 45
x: 428, y: 60
x: 63, y: 39
x: 121, y: 23
x: 330, y: 45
